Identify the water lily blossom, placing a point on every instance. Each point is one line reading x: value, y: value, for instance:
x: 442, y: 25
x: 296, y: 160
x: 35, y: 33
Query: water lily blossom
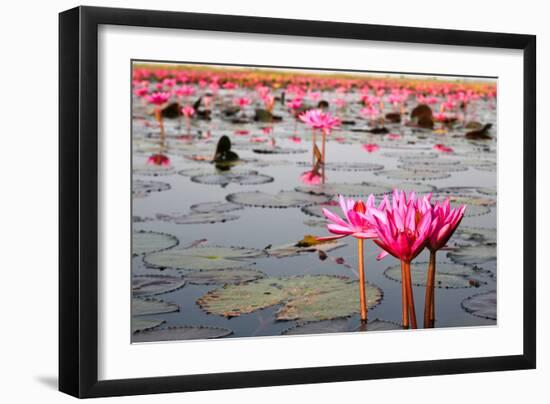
x: 445, y: 222
x: 357, y: 222
x: 403, y: 230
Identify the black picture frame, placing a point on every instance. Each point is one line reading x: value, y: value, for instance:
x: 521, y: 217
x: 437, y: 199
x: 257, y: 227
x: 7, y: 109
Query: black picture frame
x: 78, y: 200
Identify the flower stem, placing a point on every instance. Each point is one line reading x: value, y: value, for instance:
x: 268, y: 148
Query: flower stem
x: 429, y: 303
x: 158, y: 113
x: 404, y: 299
x: 323, y: 156
x: 410, y: 297
x: 362, y: 289
x: 313, y: 148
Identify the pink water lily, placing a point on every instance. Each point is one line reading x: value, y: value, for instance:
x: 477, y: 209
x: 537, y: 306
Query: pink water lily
x: 158, y: 159
x: 404, y: 228
x: 158, y: 97
x: 310, y: 177
x: 188, y: 111
x: 445, y: 222
x: 370, y: 147
x: 242, y: 102
x: 357, y: 222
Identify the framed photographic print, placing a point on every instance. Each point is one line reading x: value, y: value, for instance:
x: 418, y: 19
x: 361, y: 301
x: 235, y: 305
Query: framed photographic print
x: 251, y: 201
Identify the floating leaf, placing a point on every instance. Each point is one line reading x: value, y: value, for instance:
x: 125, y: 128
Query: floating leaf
x: 432, y: 167
x: 487, y: 191
x: 144, y: 242
x: 345, y: 166
x: 362, y: 189
x: 248, y: 177
x: 149, y: 285
x: 475, y: 254
x: 340, y: 325
x: 181, y: 333
x: 283, y: 199
x: 482, y: 305
x: 198, y: 218
x: 223, y: 276
x: 215, y: 207
x: 403, y: 155
x: 408, y: 175
x: 476, y: 234
x: 303, y: 246
x: 153, y: 170
x: 319, y: 327
x: 304, y: 298
x: 383, y: 325
x: 428, y: 162
x: 447, y: 276
x: 141, y: 189
x: 278, y: 150
x: 142, y: 324
x: 143, y: 307
x: 202, y: 258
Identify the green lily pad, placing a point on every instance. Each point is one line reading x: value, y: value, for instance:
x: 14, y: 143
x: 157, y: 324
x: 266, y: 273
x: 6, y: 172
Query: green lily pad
x: 319, y: 327
x: 428, y: 162
x: 345, y: 166
x: 447, y: 276
x: 144, y: 242
x: 180, y: 334
x: 404, y: 155
x: 223, y: 276
x: 215, y: 207
x: 142, y: 324
x: 340, y: 325
x: 362, y: 189
x: 153, y: 170
x: 433, y: 167
x: 304, y: 298
x: 482, y: 305
x: 149, y: 285
x: 477, y: 234
x: 278, y: 150
x: 248, y: 177
x: 487, y: 191
x: 142, y: 189
x: 475, y: 254
x: 292, y: 249
x: 417, y: 175
x: 148, y: 307
x: 202, y: 258
x: 283, y: 199
x: 197, y: 218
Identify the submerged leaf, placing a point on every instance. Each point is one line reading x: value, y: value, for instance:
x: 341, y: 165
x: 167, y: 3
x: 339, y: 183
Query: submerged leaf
x: 180, y: 333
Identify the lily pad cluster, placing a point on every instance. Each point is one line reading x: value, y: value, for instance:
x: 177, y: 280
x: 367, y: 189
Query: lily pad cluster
x: 302, y: 298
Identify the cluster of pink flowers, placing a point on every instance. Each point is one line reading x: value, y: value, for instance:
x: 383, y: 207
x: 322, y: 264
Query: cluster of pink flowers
x: 402, y: 226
